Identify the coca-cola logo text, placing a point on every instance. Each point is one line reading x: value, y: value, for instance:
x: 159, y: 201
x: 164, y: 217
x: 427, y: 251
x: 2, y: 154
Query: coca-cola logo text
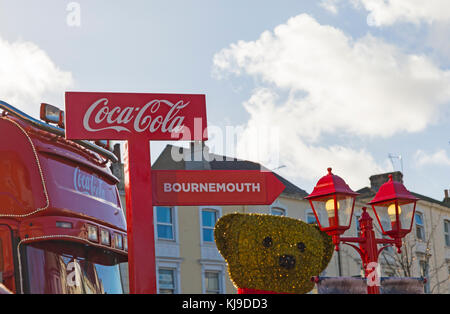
x: 88, y: 184
x: 149, y: 117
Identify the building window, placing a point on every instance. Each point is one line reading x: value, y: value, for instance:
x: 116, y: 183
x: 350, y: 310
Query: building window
x: 424, y: 267
x: 278, y: 211
x: 166, y: 281
x: 165, y: 223
x: 447, y: 232
x: 209, y: 218
x: 310, y: 218
x: 420, y: 229
x: 212, y: 282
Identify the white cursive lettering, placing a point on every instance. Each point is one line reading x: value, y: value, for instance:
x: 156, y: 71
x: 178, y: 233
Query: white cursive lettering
x: 148, y: 118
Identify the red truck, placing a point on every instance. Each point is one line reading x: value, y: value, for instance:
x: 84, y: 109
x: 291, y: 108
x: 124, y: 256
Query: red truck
x: 62, y: 227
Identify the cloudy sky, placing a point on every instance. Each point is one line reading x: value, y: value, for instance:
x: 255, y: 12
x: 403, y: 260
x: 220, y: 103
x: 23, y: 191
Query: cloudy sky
x: 308, y: 84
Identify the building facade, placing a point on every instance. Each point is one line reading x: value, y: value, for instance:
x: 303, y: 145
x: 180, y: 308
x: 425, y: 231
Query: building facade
x: 188, y: 261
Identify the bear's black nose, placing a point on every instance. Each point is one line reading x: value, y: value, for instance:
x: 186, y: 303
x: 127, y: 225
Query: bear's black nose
x: 287, y: 261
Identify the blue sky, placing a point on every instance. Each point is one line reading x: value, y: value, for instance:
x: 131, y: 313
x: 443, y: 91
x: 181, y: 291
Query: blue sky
x: 342, y: 82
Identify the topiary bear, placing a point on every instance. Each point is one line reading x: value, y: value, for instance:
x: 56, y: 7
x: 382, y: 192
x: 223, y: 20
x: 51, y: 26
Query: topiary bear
x: 272, y: 254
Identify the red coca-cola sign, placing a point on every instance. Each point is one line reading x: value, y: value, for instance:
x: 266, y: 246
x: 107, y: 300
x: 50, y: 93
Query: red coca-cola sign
x: 122, y: 116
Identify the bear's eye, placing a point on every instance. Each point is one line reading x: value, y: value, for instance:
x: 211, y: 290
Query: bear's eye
x: 267, y: 242
x: 301, y: 246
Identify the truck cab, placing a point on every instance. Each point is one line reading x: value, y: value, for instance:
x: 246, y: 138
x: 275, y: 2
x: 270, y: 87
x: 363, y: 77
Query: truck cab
x: 62, y: 227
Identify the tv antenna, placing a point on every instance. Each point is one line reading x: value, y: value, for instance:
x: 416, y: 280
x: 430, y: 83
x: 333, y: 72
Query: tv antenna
x: 399, y: 157
x: 282, y: 166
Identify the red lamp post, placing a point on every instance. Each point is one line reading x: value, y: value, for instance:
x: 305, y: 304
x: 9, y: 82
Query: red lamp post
x: 332, y: 202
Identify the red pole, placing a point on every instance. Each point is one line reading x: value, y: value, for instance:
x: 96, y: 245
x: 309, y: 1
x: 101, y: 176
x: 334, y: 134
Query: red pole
x: 370, y: 251
x: 141, y: 237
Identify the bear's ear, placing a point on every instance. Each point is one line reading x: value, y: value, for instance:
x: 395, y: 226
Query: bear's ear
x: 225, y: 233
x: 328, y: 249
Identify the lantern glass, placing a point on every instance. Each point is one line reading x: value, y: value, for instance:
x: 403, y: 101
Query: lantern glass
x: 345, y: 206
x: 334, y: 210
x: 323, y: 216
x: 395, y: 216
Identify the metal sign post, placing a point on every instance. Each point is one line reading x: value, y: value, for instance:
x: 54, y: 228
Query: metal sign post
x: 141, y: 243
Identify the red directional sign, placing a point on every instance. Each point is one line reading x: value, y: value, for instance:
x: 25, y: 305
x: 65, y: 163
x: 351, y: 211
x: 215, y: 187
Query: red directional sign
x: 214, y: 187
x: 120, y: 116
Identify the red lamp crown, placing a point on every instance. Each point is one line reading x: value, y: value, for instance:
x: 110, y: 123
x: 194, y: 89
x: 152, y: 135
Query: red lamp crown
x: 330, y: 184
x: 392, y: 190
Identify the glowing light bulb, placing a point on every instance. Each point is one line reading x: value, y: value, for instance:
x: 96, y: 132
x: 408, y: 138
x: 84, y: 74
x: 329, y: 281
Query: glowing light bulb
x: 329, y: 206
x: 391, y: 212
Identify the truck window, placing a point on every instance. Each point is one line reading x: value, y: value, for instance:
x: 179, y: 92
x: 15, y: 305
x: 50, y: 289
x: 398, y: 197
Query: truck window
x: 68, y: 268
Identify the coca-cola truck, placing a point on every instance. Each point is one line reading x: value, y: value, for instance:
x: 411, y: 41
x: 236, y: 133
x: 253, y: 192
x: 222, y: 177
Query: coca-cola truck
x: 62, y: 227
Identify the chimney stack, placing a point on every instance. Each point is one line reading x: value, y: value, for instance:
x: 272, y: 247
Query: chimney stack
x: 446, y: 198
x: 379, y: 179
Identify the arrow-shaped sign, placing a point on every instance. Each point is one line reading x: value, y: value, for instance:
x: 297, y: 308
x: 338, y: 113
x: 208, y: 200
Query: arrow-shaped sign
x: 214, y: 187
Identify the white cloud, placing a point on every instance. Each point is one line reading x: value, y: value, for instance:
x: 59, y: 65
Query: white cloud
x: 388, y: 12
x: 307, y: 160
x: 364, y: 87
x: 438, y: 158
x: 317, y: 82
x: 28, y: 77
x: 330, y: 5
x: 432, y: 15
